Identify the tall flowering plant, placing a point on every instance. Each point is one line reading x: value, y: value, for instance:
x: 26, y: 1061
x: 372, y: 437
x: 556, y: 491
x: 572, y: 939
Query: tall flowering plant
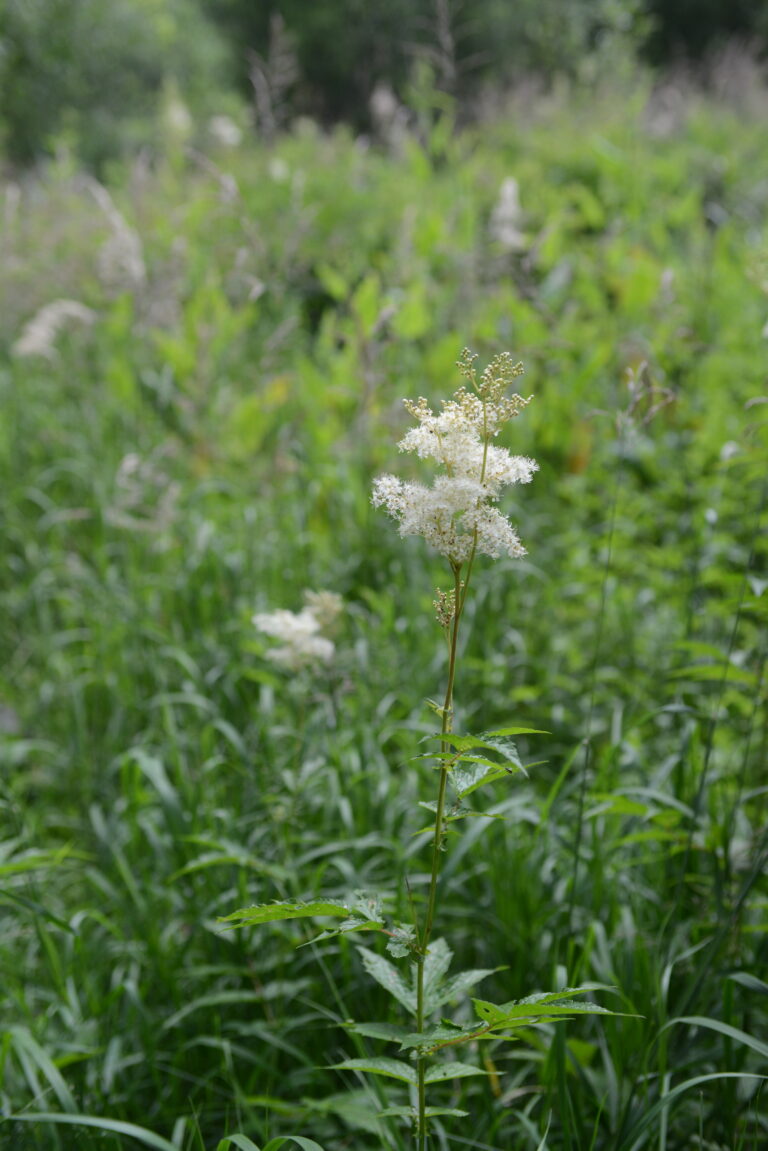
x: 458, y: 515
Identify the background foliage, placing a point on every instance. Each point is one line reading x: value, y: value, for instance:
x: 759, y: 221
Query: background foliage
x: 193, y: 440
x: 89, y: 74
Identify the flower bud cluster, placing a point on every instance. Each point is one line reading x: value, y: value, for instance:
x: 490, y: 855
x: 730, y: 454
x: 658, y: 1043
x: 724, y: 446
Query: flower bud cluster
x: 445, y: 607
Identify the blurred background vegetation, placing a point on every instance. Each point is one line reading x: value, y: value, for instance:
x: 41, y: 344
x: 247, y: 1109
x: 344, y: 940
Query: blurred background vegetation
x: 94, y: 74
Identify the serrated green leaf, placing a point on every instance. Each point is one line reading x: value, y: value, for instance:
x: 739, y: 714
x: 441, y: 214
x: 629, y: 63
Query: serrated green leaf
x: 348, y: 927
x: 553, y: 996
x: 389, y: 1032
x: 390, y: 1068
x: 367, y: 905
x: 505, y: 748
x: 534, y: 1004
x: 442, y: 1033
x: 272, y: 912
x: 551, y: 1005
x: 509, y: 766
x: 461, y: 982
x: 468, y: 780
x: 402, y: 940
x: 388, y: 977
x: 443, y: 1071
x: 463, y: 745
x: 436, y: 963
x: 463, y: 742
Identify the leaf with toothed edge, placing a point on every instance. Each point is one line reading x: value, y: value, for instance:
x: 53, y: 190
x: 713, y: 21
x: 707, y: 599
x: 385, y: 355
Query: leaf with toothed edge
x: 389, y: 1068
x: 553, y: 1006
x: 273, y: 912
x: 445, y: 1071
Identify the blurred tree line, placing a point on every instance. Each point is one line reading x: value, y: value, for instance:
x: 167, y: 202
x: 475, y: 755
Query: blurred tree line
x: 95, y: 74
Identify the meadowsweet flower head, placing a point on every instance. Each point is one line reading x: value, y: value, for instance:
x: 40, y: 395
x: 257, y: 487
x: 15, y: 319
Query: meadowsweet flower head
x: 302, y: 644
x: 456, y: 515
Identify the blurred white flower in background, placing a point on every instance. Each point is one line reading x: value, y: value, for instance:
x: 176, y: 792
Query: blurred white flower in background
x: 145, y: 497
x: 38, y: 338
x: 224, y: 131
x: 325, y: 606
x: 121, y: 264
x: 507, y: 218
x: 278, y: 170
x: 299, y: 633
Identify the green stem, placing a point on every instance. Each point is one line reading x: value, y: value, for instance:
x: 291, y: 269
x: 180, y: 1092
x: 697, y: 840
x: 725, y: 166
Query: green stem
x: 459, y: 599
x: 447, y: 723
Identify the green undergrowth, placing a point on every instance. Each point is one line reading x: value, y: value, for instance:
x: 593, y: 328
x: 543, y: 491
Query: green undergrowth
x: 202, y: 449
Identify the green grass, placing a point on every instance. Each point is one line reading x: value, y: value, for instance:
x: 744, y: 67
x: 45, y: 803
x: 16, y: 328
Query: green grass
x: 158, y: 772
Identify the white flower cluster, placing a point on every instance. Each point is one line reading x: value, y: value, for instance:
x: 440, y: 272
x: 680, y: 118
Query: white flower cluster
x: 299, y: 632
x: 456, y: 515
x: 41, y: 332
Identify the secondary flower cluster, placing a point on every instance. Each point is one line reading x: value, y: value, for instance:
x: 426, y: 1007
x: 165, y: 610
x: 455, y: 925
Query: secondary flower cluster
x: 456, y: 515
x: 303, y: 645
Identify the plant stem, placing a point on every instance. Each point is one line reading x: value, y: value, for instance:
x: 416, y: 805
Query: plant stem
x: 447, y: 724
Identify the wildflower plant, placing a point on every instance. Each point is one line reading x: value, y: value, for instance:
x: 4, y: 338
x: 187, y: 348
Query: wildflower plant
x: 459, y: 517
